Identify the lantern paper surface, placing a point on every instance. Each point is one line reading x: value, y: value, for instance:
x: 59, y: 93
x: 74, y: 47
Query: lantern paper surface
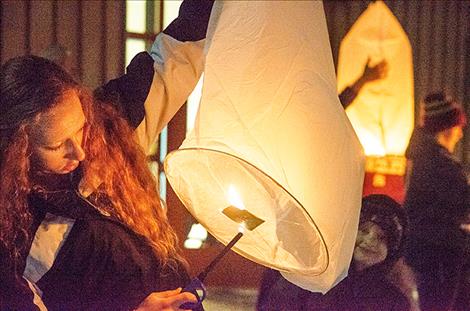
x: 383, y: 112
x: 270, y: 126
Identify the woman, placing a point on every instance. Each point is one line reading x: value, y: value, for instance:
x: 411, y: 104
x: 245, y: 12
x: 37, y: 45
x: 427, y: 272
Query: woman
x: 80, y: 216
x: 378, y: 246
x: 81, y: 224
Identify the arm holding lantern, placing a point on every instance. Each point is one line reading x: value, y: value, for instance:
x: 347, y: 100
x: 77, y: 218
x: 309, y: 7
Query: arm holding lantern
x: 370, y: 73
x: 158, y: 83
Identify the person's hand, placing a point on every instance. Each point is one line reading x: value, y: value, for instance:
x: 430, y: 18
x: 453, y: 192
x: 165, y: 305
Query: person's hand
x: 465, y: 227
x: 170, y: 300
x: 372, y: 73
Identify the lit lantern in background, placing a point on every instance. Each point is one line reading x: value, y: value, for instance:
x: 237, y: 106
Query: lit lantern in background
x: 383, y: 112
x: 270, y: 125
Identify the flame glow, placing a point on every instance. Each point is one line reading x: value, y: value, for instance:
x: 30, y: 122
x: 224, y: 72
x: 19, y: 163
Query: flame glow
x: 234, y: 198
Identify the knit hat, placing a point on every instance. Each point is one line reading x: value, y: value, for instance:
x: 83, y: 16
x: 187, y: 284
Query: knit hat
x: 441, y: 112
x: 388, y: 215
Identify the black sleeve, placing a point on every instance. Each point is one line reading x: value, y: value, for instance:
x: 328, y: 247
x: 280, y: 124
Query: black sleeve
x: 128, y: 92
x: 191, y: 23
x: 347, y: 96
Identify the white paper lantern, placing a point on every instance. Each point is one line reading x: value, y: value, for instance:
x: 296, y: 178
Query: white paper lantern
x: 383, y: 112
x: 271, y: 128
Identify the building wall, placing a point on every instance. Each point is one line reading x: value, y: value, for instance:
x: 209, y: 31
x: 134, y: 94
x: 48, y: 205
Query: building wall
x: 92, y: 30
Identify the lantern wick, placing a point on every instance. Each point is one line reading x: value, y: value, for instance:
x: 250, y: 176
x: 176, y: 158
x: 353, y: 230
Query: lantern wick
x: 201, y: 276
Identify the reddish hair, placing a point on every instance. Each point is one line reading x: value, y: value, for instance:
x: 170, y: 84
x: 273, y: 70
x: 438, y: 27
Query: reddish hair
x: 126, y: 180
x: 15, y: 215
x: 30, y: 87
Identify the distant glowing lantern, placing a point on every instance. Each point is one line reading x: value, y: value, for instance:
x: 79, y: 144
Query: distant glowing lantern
x: 272, y: 158
x: 383, y: 113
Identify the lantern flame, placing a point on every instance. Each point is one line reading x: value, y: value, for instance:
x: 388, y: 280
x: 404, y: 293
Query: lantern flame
x: 237, y: 212
x: 234, y: 198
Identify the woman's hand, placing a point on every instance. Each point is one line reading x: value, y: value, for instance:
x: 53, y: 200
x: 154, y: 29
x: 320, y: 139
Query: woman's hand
x: 465, y: 227
x: 370, y: 73
x: 170, y: 300
x: 377, y: 72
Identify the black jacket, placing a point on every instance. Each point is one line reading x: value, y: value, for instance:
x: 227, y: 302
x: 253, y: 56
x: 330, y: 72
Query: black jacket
x: 101, y: 264
x: 437, y: 199
x: 367, y: 290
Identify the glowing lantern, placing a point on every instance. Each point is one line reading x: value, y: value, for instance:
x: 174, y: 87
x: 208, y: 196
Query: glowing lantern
x: 382, y: 114
x: 270, y: 125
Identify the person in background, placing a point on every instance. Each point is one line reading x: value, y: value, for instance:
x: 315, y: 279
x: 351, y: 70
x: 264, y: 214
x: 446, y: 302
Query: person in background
x: 437, y: 202
x: 401, y: 274
x: 82, y: 227
x: 378, y: 245
x: 370, y: 73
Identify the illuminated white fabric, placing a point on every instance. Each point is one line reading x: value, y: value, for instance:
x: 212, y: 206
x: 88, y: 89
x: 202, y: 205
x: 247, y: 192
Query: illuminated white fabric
x: 178, y: 66
x: 48, y: 240
x: 270, y: 124
x: 383, y: 113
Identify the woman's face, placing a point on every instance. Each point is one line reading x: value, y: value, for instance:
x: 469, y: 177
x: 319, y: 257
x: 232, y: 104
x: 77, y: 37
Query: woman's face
x: 57, y: 139
x: 371, y: 246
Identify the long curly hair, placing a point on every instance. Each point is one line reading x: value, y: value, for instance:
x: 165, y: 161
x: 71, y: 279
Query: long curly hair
x: 115, y: 167
x: 126, y: 187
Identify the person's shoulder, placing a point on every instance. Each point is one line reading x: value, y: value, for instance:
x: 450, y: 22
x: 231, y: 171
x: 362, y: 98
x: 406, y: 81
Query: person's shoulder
x: 420, y: 144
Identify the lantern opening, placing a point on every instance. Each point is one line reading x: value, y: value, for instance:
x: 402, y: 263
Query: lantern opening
x: 283, y: 217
